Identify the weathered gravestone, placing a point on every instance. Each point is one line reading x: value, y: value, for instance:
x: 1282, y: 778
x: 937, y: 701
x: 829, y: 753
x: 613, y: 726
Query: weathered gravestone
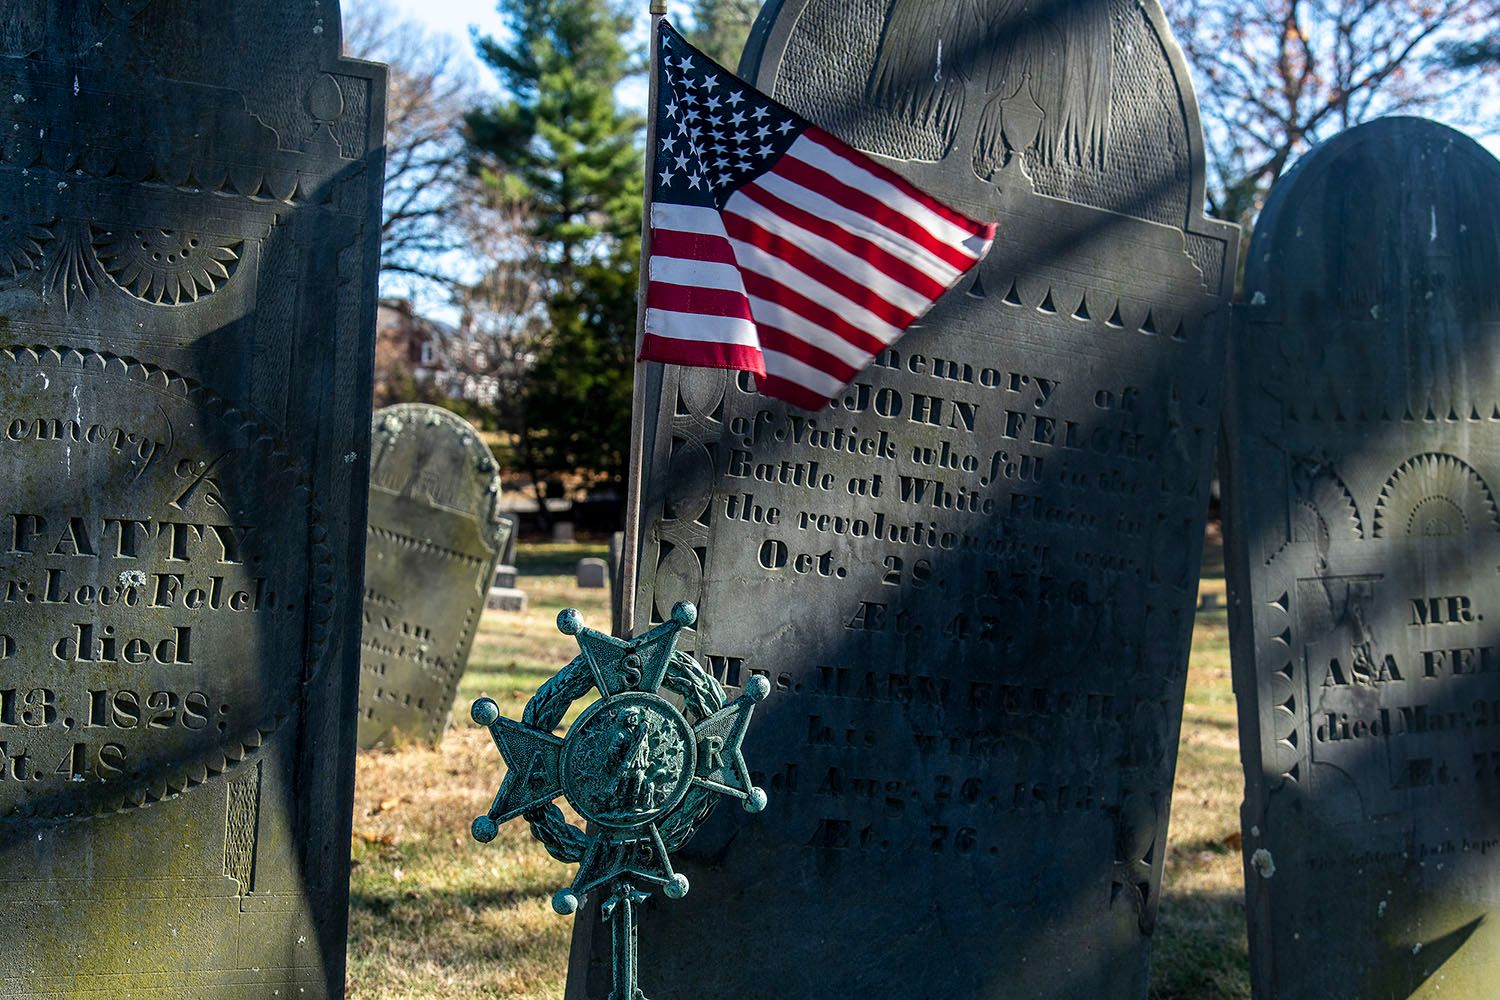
x: 1362, y: 546
x: 188, y: 248
x: 972, y: 578
x: 433, y: 538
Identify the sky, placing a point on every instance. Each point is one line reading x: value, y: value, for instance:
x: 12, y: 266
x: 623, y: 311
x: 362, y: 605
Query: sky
x: 456, y: 17
x: 453, y: 17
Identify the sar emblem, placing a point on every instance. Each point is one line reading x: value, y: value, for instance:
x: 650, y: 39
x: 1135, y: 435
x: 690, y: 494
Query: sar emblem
x: 644, y: 765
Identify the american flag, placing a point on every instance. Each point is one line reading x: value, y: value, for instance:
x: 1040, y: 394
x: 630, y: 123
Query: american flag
x: 778, y: 249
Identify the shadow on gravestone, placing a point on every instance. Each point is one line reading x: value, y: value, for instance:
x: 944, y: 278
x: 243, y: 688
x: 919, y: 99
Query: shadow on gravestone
x: 971, y: 580
x: 1362, y: 545
x: 433, y: 539
x: 188, y: 255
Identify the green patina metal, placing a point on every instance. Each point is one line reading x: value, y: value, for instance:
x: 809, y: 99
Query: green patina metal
x: 643, y: 772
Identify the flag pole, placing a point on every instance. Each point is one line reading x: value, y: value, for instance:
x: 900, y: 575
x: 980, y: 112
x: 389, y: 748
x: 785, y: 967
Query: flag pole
x: 635, y: 474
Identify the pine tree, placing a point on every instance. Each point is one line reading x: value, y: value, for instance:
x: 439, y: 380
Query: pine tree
x: 722, y: 26
x: 561, y: 146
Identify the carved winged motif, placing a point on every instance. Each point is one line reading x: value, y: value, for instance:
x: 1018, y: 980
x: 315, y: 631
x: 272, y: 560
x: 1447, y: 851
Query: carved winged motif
x: 1027, y: 77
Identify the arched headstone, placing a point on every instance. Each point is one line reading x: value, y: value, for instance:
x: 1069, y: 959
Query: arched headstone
x: 1362, y: 546
x: 971, y: 580
x: 189, y: 223
x: 434, y: 537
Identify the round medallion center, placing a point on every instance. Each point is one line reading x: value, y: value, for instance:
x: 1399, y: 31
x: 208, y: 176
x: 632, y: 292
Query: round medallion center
x: 628, y: 760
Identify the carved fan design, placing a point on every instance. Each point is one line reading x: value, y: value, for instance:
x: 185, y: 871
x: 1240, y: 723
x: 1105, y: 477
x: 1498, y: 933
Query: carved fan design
x: 21, y: 242
x: 1434, y: 495
x: 1322, y: 508
x: 1320, y: 491
x: 167, y: 266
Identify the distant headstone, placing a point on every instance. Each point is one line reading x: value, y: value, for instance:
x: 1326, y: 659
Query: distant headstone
x: 562, y: 532
x: 971, y: 579
x: 433, y: 539
x: 505, y: 576
x: 1362, y: 546
x: 188, y: 252
x: 592, y: 574
x: 506, y: 599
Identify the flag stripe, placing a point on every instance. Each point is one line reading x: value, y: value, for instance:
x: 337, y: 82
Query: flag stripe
x: 686, y: 219
x: 784, y: 366
x: 789, y: 392
x: 816, y: 178
x: 761, y: 287
x: 678, y: 271
x: 673, y: 351
x: 778, y: 317
x: 696, y: 326
x: 822, y: 261
x: 773, y: 268
x: 690, y: 246
x: 966, y: 227
x: 872, y: 253
x: 707, y: 302
x: 781, y: 342
x: 856, y: 226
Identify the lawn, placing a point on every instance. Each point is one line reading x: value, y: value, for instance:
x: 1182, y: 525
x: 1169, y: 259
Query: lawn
x: 432, y: 914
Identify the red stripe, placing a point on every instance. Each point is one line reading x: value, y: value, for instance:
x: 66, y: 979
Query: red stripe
x: 774, y: 291
x: 772, y: 339
x: 871, y: 253
x: 748, y: 231
x: 702, y: 301
x: 855, y: 200
x: 691, y: 246
x: 702, y: 354
x: 790, y: 392
x: 838, y: 147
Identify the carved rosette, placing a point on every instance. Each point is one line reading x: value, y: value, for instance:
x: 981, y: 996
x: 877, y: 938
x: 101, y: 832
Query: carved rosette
x: 166, y: 266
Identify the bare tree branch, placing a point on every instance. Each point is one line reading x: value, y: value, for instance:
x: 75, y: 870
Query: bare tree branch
x: 1275, y: 77
x: 426, y: 174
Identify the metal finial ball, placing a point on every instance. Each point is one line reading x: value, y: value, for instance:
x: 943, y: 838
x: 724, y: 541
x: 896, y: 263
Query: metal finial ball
x: 565, y: 902
x: 569, y: 621
x: 756, y: 801
x: 485, y: 712
x: 758, y: 688
x: 677, y: 888
x: 684, y: 614
x: 484, y: 830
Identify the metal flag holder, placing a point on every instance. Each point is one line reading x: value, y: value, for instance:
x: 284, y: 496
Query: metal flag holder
x: 643, y: 773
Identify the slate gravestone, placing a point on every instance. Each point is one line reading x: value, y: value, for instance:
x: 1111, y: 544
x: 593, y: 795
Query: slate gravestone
x: 971, y: 579
x: 1362, y: 545
x: 188, y: 250
x: 433, y: 538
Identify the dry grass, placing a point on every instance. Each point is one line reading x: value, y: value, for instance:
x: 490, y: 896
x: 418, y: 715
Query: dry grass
x: 432, y: 913
x: 1200, y: 951
x: 435, y: 915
